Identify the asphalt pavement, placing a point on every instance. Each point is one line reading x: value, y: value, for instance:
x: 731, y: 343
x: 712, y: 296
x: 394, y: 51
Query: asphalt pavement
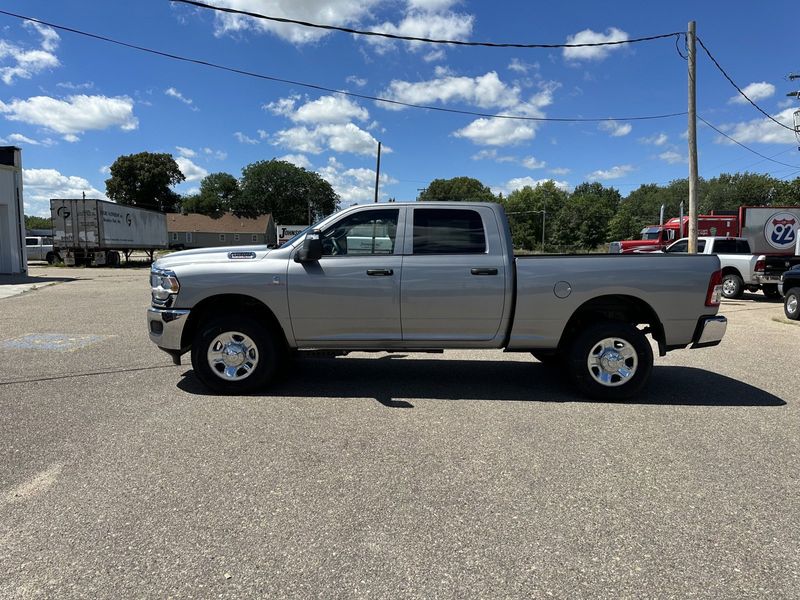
x: 471, y: 474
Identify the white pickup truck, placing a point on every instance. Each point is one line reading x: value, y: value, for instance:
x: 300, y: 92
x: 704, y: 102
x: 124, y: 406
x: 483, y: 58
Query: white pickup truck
x: 740, y: 268
x: 41, y: 248
x: 428, y: 276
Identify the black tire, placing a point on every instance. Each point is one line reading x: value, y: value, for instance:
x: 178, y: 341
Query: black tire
x: 51, y: 258
x: 246, y: 340
x: 791, y: 304
x: 113, y: 259
x: 732, y: 286
x: 771, y: 291
x: 620, y: 342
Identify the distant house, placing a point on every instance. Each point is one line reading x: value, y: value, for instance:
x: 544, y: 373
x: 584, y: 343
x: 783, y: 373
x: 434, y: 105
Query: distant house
x: 200, y: 231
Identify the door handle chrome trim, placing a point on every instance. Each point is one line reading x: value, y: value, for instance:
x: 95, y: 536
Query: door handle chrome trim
x: 380, y: 272
x: 483, y: 271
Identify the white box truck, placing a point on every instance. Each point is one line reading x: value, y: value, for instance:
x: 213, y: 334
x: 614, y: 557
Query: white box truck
x: 94, y: 232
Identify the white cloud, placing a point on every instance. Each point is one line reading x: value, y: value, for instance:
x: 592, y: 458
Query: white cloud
x: 612, y: 173
x: 672, y: 157
x: 243, y: 139
x: 658, y: 139
x: 560, y: 171
x: 105, y: 169
x: 185, y: 152
x: 338, y: 137
x: 298, y: 160
x: 434, y: 55
x: 357, y: 81
x: 497, y: 132
x: 755, y: 91
x: 529, y: 162
x: 615, y: 129
x: 191, y: 171
x: 522, y: 67
x: 354, y: 185
x: 520, y: 182
x: 327, y: 109
x: 431, y: 5
x: 786, y: 103
x: 420, y: 24
x: 173, y: 93
x: 18, y: 138
x: 339, y: 13
x: 587, y: 36
x: 485, y: 91
x: 68, y: 85
x: 218, y: 154
x: 762, y: 130
x: 40, y: 185
x: 26, y: 62
x: 74, y: 115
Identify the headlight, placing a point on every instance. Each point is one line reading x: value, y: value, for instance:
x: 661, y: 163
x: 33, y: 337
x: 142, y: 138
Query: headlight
x: 163, y: 284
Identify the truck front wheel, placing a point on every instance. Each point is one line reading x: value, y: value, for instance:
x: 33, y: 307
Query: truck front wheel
x: 732, y: 286
x: 610, y: 361
x: 791, y: 304
x: 234, y: 355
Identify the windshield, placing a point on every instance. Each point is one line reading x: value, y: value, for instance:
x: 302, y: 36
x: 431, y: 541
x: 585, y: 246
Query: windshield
x: 651, y: 233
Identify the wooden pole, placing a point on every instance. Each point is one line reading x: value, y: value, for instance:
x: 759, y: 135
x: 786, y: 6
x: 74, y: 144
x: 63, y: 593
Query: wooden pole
x: 690, y: 36
x: 378, y: 172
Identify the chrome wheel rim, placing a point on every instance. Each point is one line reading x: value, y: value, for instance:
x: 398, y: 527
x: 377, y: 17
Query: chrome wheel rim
x: 791, y: 303
x: 729, y: 287
x: 232, y: 356
x: 612, y: 361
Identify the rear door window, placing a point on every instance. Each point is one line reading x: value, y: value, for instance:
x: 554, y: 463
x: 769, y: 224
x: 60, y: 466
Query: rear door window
x: 448, y: 231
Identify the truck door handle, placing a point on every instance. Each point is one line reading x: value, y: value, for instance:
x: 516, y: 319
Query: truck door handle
x: 380, y: 272
x: 490, y: 271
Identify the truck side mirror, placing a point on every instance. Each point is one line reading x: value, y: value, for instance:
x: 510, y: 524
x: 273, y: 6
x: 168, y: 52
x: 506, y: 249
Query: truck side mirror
x: 311, y: 250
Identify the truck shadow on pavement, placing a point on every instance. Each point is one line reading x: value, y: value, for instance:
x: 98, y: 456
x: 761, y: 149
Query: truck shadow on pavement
x: 395, y: 383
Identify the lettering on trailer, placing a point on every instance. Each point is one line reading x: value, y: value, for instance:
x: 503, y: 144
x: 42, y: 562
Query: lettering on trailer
x: 780, y: 230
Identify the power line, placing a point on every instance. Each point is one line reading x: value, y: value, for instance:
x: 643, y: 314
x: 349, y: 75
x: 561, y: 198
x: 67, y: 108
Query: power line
x: 409, y: 38
x: 746, y: 147
x: 738, y: 89
x: 317, y: 87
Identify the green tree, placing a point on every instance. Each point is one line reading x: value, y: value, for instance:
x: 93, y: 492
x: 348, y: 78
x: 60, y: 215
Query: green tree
x: 144, y: 180
x: 459, y: 189
x: 583, y: 222
x: 524, y: 208
x: 730, y: 191
x: 286, y: 191
x: 219, y: 193
x: 32, y: 222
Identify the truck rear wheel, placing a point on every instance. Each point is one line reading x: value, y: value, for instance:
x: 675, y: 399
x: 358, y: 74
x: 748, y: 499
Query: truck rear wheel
x: 791, y: 304
x: 234, y: 355
x: 732, y: 286
x: 610, y: 361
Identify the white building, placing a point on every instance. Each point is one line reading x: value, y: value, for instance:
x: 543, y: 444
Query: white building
x: 13, y: 259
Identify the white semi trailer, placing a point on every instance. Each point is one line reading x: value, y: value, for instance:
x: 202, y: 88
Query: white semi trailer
x: 95, y: 232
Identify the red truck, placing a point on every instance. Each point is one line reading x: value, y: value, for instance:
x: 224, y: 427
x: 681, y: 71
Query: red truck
x: 657, y: 237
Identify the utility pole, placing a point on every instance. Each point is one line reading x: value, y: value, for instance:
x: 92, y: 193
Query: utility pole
x: 690, y: 37
x: 378, y: 172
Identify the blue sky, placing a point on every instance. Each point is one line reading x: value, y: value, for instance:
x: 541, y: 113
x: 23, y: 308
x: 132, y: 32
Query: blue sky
x: 75, y: 104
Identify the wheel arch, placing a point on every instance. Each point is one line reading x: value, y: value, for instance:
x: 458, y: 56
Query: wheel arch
x: 614, y: 307
x: 731, y: 271
x: 234, y: 304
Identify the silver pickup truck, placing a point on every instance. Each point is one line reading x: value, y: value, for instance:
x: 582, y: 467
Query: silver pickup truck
x: 428, y: 276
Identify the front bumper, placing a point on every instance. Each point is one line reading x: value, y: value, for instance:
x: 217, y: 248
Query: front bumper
x: 165, y: 327
x: 709, y: 332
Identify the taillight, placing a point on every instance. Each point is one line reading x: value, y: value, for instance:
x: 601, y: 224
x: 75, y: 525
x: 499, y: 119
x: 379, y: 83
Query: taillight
x: 714, y: 293
x: 760, y: 265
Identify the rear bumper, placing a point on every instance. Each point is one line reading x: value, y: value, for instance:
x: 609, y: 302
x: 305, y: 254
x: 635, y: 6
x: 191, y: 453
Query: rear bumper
x: 767, y: 279
x: 165, y: 327
x: 709, y: 332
